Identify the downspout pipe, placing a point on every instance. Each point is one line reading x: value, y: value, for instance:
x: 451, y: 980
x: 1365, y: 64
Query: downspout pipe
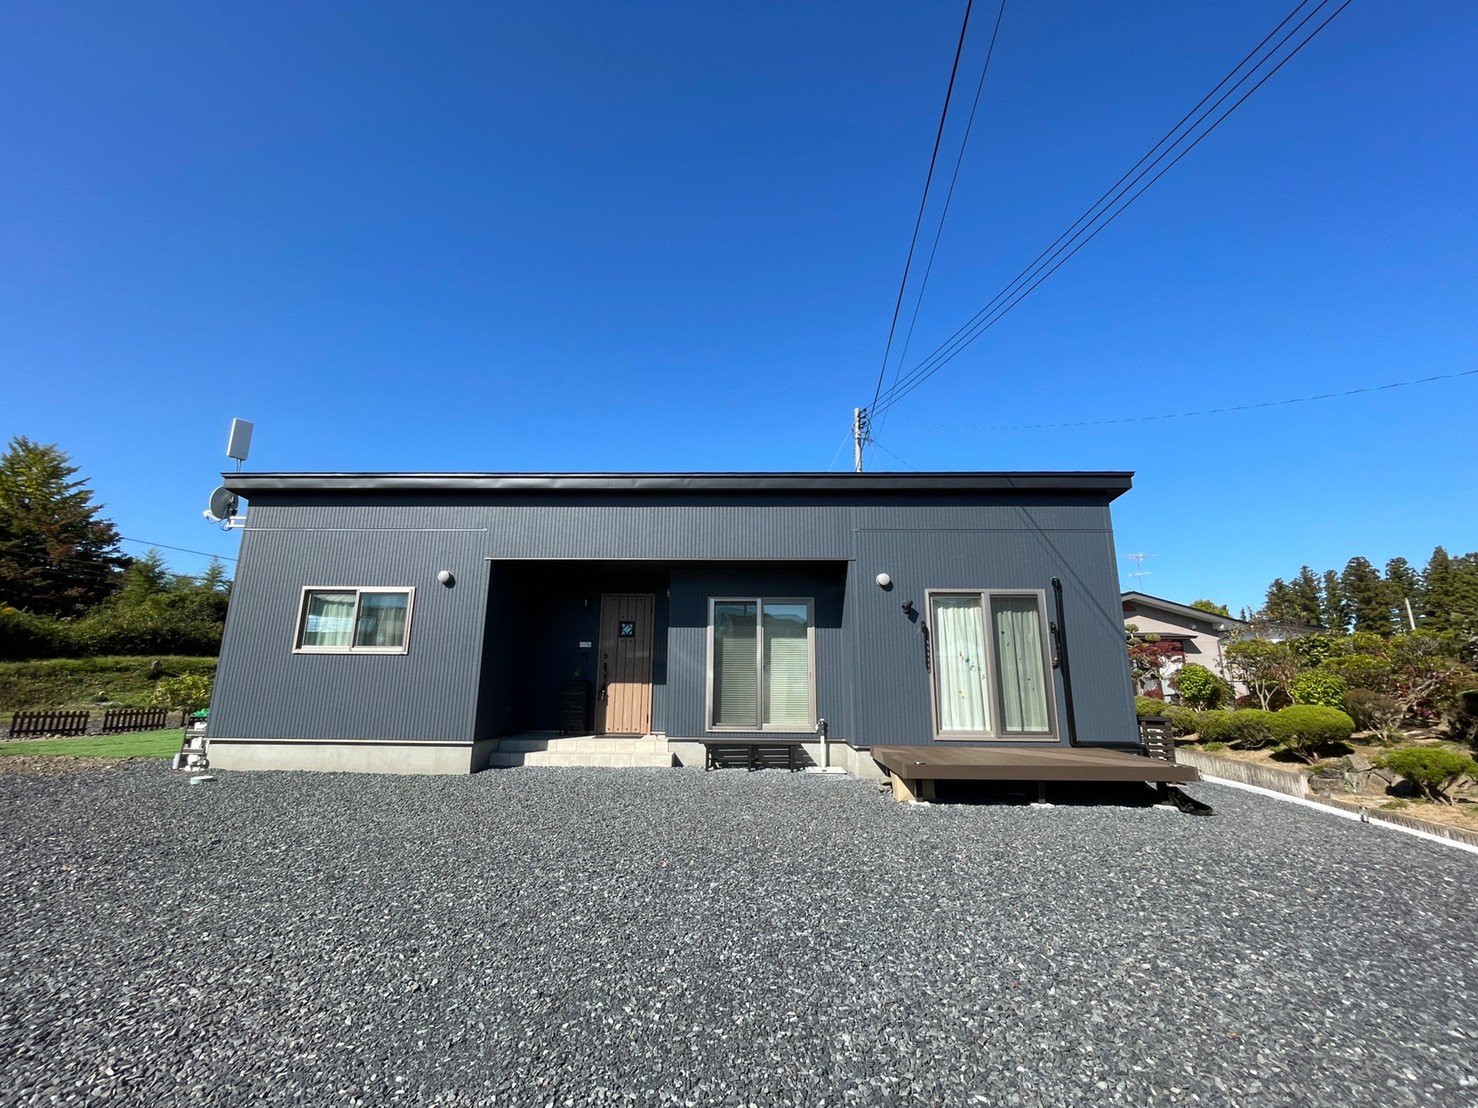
x: 1060, y: 630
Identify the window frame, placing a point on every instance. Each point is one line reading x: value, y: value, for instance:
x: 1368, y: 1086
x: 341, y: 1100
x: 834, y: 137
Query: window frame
x: 997, y: 733
x: 760, y: 705
x: 359, y: 591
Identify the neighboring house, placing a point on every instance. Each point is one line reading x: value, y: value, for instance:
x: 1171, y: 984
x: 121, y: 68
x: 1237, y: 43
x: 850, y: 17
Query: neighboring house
x: 406, y: 622
x: 1200, y: 635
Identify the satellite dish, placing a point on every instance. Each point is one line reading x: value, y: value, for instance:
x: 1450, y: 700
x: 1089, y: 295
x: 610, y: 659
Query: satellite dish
x: 222, y: 505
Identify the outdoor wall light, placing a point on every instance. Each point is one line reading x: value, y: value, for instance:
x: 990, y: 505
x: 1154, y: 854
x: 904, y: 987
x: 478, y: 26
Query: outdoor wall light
x: 908, y: 606
x: 446, y: 578
x: 883, y: 580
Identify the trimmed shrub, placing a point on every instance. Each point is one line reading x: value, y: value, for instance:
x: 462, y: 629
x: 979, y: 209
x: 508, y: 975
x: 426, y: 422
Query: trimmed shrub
x: 1248, y: 728
x: 1213, y: 748
x: 1184, y: 721
x: 1373, y: 711
x: 1148, y: 706
x: 1320, y: 689
x: 1199, y: 687
x: 1431, y: 769
x: 1304, y: 728
x: 1254, y: 728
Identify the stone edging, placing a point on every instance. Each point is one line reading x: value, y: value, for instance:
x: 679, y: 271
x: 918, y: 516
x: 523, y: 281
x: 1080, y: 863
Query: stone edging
x: 1296, y: 784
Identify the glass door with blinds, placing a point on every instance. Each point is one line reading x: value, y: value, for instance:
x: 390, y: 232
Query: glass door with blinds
x: 761, y: 675
x: 991, y: 673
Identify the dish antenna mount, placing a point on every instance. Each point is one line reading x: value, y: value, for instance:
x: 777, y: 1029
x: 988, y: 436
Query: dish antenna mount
x: 224, y: 503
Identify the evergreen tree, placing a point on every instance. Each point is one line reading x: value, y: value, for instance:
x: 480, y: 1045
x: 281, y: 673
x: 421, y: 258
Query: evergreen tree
x: 214, y: 578
x: 1334, y: 611
x: 56, y: 556
x: 1278, y: 606
x: 1304, y: 592
x: 1403, y: 584
x: 1450, y: 593
x: 1366, y: 597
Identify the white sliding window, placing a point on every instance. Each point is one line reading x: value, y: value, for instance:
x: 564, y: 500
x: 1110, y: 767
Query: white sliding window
x: 354, y: 621
x: 760, y: 673
x: 991, y: 675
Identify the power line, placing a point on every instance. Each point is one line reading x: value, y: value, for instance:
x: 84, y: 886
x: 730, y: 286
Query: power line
x: 923, y: 200
x: 890, y: 454
x: 1199, y: 412
x: 181, y: 549
x: 1051, y: 259
x: 949, y: 195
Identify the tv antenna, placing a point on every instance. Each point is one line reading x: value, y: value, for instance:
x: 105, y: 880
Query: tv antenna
x: 1139, y: 572
x: 225, y: 504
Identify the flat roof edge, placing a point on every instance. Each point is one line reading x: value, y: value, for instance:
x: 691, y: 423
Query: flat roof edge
x: 1110, y: 482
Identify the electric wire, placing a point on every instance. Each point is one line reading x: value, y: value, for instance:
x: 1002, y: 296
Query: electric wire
x: 924, y: 200
x: 890, y: 454
x: 1198, y: 412
x: 948, y: 196
x: 1050, y: 260
x: 181, y: 549
x: 1040, y: 270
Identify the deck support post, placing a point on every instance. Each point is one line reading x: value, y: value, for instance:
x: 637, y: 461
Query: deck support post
x: 908, y: 789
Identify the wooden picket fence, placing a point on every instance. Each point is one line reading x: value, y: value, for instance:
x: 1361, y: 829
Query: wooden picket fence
x: 29, y: 724
x: 116, y: 721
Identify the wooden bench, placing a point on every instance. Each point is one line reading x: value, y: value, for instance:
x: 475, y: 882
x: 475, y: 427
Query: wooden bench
x: 117, y: 721
x: 751, y: 754
x: 31, y: 724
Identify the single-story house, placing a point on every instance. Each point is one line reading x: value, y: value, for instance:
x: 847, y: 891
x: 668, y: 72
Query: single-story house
x: 1198, y: 634
x: 406, y: 622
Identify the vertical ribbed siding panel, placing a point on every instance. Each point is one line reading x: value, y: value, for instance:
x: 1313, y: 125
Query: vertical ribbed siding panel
x: 892, y: 683
x: 265, y: 690
x: 666, y: 532
x: 687, y: 659
x: 870, y: 681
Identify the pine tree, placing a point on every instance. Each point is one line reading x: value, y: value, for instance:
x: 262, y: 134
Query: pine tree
x: 1304, y: 592
x: 1334, y: 611
x: 56, y: 556
x: 1366, y: 596
x: 1436, y: 591
x: 1402, y: 584
x: 1278, y: 606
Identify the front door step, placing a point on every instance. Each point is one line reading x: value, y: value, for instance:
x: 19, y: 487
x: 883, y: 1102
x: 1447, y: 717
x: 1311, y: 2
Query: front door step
x: 647, y: 751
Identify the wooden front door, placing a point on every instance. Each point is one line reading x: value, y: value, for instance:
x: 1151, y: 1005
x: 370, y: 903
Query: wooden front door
x: 623, y: 700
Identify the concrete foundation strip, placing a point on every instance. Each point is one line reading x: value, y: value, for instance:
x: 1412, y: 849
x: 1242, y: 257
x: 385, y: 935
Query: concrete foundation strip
x: 1360, y: 815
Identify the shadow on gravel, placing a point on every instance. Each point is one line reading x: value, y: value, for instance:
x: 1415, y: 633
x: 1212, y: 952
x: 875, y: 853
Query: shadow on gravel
x: 1118, y: 794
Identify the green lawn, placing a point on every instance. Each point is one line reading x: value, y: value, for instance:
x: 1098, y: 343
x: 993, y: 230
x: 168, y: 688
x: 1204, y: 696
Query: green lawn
x: 136, y: 744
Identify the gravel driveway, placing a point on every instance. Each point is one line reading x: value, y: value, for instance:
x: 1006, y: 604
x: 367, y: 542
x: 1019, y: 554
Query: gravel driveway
x: 567, y: 937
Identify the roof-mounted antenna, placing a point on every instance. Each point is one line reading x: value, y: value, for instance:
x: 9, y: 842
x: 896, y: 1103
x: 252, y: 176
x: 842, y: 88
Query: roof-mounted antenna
x: 224, y: 504
x: 238, y: 446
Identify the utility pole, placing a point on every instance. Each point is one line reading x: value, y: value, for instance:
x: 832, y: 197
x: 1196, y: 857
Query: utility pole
x: 859, y: 435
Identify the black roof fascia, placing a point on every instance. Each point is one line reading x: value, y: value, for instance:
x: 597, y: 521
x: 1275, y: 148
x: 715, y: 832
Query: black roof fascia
x: 1111, y: 483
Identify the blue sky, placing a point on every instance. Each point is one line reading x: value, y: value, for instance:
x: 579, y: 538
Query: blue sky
x: 669, y: 236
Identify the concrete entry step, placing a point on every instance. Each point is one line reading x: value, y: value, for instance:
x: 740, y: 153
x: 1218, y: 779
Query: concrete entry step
x: 647, y: 751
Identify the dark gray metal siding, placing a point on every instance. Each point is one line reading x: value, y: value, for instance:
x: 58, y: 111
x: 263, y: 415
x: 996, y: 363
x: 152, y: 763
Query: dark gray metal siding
x: 264, y: 690
x: 892, y: 684
x: 687, y: 650
x: 870, y: 681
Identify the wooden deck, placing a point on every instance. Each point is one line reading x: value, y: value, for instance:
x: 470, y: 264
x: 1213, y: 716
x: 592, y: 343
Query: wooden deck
x: 916, y: 768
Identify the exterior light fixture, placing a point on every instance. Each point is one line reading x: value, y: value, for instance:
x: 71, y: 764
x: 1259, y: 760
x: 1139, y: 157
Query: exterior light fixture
x: 446, y: 578
x: 883, y: 580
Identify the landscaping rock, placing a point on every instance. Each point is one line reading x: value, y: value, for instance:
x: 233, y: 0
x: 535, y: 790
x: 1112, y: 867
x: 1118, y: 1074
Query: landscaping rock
x: 665, y: 937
